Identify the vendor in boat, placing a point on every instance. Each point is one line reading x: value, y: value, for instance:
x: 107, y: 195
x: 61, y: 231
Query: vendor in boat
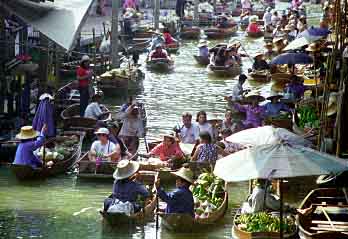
x: 259, y: 63
x: 168, y: 39
x: 188, y: 133
x: 238, y: 91
x: 295, y: 89
x: 230, y: 147
x: 168, y: 150
x: 159, y: 53
x: 273, y: 108
x: 132, y: 128
x: 103, y: 148
x: 269, y: 52
x: 220, y: 57
x: 94, y: 109
x: 254, y: 112
x: 181, y: 199
x: 30, y: 140
x: 203, y: 50
x: 203, y: 124
x: 253, y: 27
x: 207, y: 151
x: 84, y: 76
x: 126, y: 188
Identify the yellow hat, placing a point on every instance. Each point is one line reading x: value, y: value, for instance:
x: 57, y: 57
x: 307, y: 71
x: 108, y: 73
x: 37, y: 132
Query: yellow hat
x: 27, y: 132
x: 184, y: 173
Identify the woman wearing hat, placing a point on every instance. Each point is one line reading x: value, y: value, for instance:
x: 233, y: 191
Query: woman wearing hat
x: 125, y: 188
x: 203, y: 50
x: 254, y: 112
x: 295, y: 88
x: 30, y: 140
x: 167, y: 150
x: 259, y: 63
x: 253, y: 27
x: 84, y: 76
x: 273, y: 108
x: 103, y: 148
x: 159, y: 53
x: 181, y: 199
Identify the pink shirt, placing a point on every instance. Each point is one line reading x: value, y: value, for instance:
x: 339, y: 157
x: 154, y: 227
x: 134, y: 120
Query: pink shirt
x: 165, y: 153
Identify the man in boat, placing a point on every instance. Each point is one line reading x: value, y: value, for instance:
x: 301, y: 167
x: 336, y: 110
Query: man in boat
x: 168, y: 39
x: 126, y: 188
x: 132, y: 128
x: 157, y: 39
x: 30, y: 140
x: 238, y: 91
x: 84, y: 76
x: 159, y: 53
x: 103, y: 148
x: 203, y: 50
x: 229, y: 147
x: 275, y: 18
x: 181, y: 199
x: 269, y: 52
x: 188, y: 133
x: 274, y: 108
x: 253, y: 27
x: 94, y: 109
x: 259, y: 63
x: 267, y: 17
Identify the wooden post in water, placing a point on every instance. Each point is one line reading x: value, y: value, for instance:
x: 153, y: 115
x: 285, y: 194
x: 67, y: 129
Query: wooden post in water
x: 157, y: 14
x: 94, y: 50
x: 115, y: 61
x: 195, y: 13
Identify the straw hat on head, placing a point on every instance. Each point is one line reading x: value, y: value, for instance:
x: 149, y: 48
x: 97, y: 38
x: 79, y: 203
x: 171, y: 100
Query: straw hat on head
x: 125, y: 169
x: 258, y: 54
x: 314, y: 47
x: 254, y: 97
x: 274, y: 95
x: 46, y: 96
x: 203, y: 43
x: 168, y: 135
x: 102, y: 131
x: 27, y: 132
x: 278, y: 40
x: 184, y: 173
x: 288, y: 28
x: 85, y: 58
x: 253, y: 18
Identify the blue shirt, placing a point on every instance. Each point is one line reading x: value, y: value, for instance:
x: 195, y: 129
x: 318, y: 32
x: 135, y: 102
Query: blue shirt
x: 126, y: 190
x: 178, y: 201
x: 204, y: 51
x: 274, y: 109
x: 25, y: 152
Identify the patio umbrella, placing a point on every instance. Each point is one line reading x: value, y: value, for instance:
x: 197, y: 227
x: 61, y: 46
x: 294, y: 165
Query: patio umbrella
x: 292, y: 58
x: 301, y: 42
x: 45, y: 115
x: 267, y: 135
x: 314, y: 32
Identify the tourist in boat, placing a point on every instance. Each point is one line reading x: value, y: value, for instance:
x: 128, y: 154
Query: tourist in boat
x: 159, y: 53
x: 269, y: 52
x: 228, y: 123
x: 259, y: 62
x: 295, y: 89
x: 229, y: 147
x: 181, y: 199
x: 254, y: 112
x: 126, y: 188
x: 203, y: 50
x: 207, y: 151
x: 168, y: 150
x: 132, y: 128
x: 103, y: 148
x: 290, y: 33
x: 30, y: 140
x: 278, y: 31
x: 295, y: 4
x: 267, y: 17
x: 274, y: 108
x: 261, y: 199
x: 188, y: 133
x: 238, y: 91
x: 246, y: 6
x: 84, y: 76
x: 275, y: 19
x: 94, y: 109
x: 157, y: 39
x: 203, y: 124
x: 168, y: 39
x: 253, y: 27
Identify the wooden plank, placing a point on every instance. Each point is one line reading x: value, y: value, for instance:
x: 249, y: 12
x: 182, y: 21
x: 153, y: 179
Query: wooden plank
x: 330, y: 229
x: 336, y: 226
x: 327, y: 222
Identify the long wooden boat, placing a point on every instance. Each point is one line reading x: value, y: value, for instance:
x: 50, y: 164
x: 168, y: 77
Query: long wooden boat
x: 186, y: 223
x: 241, y: 234
x: 73, y: 121
x: 161, y: 65
x: 204, y: 61
x: 329, y: 217
x: 24, y: 172
x: 190, y: 33
x: 255, y: 34
x: 87, y: 169
x: 223, y: 71
x: 148, y: 178
x: 218, y: 33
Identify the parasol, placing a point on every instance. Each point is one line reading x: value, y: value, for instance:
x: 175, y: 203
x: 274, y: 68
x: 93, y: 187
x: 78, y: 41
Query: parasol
x: 292, y: 58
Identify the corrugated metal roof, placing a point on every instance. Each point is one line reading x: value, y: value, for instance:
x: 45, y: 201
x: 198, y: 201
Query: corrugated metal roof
x: 60, y: 20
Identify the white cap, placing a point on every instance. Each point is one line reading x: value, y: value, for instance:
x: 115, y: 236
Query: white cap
x: 85, y: 58
x: 102, y: 131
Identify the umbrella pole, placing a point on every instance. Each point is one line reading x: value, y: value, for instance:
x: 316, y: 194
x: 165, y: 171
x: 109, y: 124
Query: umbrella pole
x: 281, y: 231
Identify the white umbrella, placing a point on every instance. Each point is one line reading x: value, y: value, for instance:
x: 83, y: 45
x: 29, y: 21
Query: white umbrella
x: 267, y: 135
x: 301, y: 41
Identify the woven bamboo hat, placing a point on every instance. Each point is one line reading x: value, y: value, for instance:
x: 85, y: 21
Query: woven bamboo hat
x: 254, y: 97
x: 27, y: 132
x: 125, y: 169
x: 184, y: 173
x: 314, y: 47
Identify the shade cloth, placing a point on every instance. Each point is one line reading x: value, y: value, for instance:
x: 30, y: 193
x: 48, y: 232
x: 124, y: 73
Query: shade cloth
x: 45, y: 115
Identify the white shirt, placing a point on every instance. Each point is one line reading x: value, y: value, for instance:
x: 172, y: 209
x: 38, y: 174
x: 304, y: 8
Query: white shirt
x: 267, y: 18
x: 237, y: 92
x: 275, y: 20
x: 206, y: 127
x: 93, y: 110
x: 189, y: 135
x: 246, y: 4
x: 99, y: 148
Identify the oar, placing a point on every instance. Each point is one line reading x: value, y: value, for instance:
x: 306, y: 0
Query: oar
x: 157, y: 209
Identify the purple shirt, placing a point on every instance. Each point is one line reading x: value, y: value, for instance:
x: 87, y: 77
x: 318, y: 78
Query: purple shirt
x: 25, y: 152
x: 253, y: 114
x: 296, y: 89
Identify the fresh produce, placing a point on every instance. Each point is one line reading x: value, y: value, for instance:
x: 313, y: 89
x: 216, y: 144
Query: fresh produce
x: 264, y: 222
x: 308, y: 117
x: 208, y: 193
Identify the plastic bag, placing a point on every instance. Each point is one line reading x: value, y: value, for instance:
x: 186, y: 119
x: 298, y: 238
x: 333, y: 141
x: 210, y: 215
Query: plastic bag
x: 121, y: 207
x: 105, y: 45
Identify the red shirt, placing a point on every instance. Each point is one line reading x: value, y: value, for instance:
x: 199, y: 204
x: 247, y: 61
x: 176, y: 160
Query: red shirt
x: 253, y: 27
x: 80, y: 72
x: 168, y: 38
x: 164, y: 153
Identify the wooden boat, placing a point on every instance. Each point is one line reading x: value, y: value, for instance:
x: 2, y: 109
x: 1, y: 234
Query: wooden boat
x: 190, y: 33
x: 72, y: 120
x: 260, y: 76
x: 147, y: 178
x: 24, y: 172
x: 161, y: 65
x: 223, y: 71
x: 218, y: 33
x: 329, y: 217
x: 87, y: 169
x: 255, y: 34
x: 204, y: 61
x: 241, y: 234
x: 172, y: 48
x: 185, y: 223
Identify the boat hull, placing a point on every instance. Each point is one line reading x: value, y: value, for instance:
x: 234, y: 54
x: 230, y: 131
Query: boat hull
x: 204, y: 61
x: 223, y: 71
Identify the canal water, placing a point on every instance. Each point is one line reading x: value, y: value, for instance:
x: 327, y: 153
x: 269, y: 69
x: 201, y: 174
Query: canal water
x: 64, y: 207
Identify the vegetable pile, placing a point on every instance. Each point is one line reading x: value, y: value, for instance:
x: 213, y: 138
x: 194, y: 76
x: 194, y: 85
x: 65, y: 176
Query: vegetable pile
x: 208, y: 194
x: 308, y: 117
x: 264, y: 222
